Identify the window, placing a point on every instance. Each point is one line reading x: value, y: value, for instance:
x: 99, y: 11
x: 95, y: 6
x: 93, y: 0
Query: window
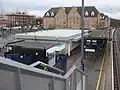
x: 76, y: 18
x: 103, y: 17
x: 47, y: 14
x: 74, y: 22
x: 60, y: 18
x: 70, y: 22
x: 86, y: 13
x: 64, y: 18
x: 69, y: 18
x: 73, y: 18
x: 77, y: 22
x: 64, y: 22
x: 57, y: 18
x: 92, y: 13
x: 52, y: 14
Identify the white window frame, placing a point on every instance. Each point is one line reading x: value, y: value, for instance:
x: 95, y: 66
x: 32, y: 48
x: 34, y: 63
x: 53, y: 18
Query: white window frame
x: 86, y: 13
x: 92, y: 13
x: 52, y: 14
x: 47, y: 14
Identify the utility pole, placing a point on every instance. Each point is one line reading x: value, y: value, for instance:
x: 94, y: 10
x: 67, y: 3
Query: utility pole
x: 82, y: 34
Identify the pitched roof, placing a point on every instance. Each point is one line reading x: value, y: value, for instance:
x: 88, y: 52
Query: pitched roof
x: 89, y: 9
x: 68, y: 9
x: 102, y: 14
x: 105, y: 17
x: 54, y: 10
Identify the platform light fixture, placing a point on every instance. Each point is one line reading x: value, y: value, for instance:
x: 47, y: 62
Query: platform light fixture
x: 21, y: 56
x: 36, y: 53
x: 10, y: 48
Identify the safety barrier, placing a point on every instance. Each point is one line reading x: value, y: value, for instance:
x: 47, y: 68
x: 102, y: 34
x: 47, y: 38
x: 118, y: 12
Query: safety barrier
x: 17, y: 76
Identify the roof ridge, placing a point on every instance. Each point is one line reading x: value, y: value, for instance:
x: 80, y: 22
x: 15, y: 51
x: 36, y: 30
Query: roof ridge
x: 68, y: 9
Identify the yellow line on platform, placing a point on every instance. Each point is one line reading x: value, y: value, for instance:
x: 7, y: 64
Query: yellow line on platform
x: 100, y: 73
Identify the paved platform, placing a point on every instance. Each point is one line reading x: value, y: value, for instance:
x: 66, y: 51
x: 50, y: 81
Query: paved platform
x: 107, y: 73
x: 105, y: 80
x: 107, y: 76
x: 93, y: 63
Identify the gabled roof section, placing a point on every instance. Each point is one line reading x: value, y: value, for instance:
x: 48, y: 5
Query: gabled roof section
x: 102, y: 14
x: 104, y: 17
x: 68, y: 9
x: 52, y: 10
x: 89, y: 9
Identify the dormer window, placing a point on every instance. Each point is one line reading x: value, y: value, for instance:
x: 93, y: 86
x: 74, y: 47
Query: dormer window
x: 103, y: 17
x: 92, y: 13
x: 86, y: 13
x: 52, y: 14
x: 106, y: 19
x: 47, y: 14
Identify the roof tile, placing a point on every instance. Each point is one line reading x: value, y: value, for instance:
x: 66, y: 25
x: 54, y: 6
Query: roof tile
x: 68, y: 9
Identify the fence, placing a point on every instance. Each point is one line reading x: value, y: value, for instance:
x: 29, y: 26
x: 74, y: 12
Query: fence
x: 17, y: 76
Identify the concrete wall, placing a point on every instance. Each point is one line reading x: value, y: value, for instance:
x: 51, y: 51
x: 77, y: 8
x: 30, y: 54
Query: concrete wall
x: 16, y: 76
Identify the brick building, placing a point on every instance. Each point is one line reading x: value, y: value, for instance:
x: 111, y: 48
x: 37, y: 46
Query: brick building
x: 104, y: 21
x: 20, y: 19
x: 70, y: 17
x: 3, y: 20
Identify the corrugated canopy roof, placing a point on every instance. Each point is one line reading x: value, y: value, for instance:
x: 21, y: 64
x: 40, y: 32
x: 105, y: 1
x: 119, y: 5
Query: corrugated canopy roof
x: 58, y: 34
x: 96, y: 34
x: 34, y: 44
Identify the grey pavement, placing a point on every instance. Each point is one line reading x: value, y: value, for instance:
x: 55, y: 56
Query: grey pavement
x: 107, y: 71
x: 106, y: 79
x: 92, y: 68
x: 92, y: 65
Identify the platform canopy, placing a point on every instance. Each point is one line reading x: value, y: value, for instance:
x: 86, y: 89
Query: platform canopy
x: 57, y: 34
x: 97, y: 34
x: 33, y: 44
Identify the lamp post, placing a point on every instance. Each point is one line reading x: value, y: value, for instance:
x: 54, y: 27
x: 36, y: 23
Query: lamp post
x: 107, y: 22
x: 82, y: 34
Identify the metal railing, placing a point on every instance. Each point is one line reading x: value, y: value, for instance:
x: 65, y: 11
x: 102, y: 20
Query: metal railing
x: 17, y: 76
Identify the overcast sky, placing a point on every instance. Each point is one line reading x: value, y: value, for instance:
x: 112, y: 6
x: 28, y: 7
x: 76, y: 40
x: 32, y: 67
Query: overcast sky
x: 39, y: 7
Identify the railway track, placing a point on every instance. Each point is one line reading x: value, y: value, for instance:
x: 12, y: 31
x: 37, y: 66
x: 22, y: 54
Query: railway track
x: 116, y: 59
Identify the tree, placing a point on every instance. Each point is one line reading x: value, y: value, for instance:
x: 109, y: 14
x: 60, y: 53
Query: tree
x: 115, y: 23
x: 39, y: 21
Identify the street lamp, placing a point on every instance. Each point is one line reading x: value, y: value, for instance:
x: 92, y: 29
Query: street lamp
x: 56, y: 39
x: 82, y: 34
x: 107, y: 22
x: 38, y: 26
